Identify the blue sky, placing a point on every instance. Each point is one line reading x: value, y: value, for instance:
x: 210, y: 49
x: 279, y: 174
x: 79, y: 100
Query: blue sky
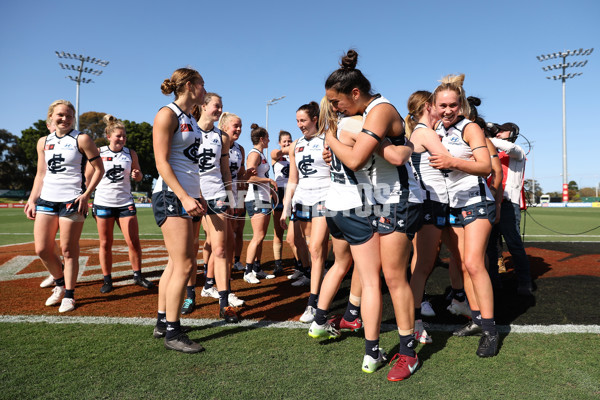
x: 250, y: 52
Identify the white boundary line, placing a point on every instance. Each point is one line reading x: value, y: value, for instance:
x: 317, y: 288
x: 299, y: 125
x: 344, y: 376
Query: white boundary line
x: 250, y: 323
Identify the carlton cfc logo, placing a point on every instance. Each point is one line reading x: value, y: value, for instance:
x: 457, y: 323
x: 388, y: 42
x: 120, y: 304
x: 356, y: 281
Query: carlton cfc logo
x: 115, y: 174
x: 304, y: 166
x: 206, y: 160
x: 191, y: 152
x: 54, y: 164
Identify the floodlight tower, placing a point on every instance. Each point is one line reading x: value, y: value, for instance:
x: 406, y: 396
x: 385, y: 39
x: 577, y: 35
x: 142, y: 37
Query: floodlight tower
x: 563, y: 77
x: 80, y: 68
x: 270, y: 103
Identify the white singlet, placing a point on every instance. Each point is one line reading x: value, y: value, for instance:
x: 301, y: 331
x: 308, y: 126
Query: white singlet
x: 463, y: 189
x: 348, y: 189
x: 281, y: 171
x: 313, y: 172
x: 64, y: 178
x: 236, y: 159
x: 184, y: 155
x: 391, y: 183
x: 431, y: 180
x: 260, y: 191
x: 209, y: 164
x: 114, y: 190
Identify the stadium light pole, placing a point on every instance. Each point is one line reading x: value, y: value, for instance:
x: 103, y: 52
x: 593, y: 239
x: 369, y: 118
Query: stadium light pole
x: 270, y: 103
x: 563, y: 77
x: 80, y: 69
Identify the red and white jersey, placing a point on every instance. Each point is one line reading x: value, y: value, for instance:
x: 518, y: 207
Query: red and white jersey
x: 512, y: 158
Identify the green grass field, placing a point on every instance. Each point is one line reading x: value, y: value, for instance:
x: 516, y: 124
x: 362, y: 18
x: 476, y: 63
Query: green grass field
x: 51, y: 361
x: 123, y: 361
x: 538, y: 224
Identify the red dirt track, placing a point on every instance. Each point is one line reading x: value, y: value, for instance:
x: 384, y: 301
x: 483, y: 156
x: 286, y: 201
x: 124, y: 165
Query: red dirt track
x: 273, y: 299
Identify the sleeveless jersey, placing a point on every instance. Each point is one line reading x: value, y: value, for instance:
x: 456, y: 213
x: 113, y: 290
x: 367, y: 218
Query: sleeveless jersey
x: 209, y: 164
x: 281, y: 171
x: 313, y: 172
x: 463, y: 189
x: 235, y: 164
x: 391, y: 183
x: 260, y: 191
x: 64, y: 179
x: 431, y: 180
x: 184, y: 155
x: 348, y: 189
x: 114, y: 190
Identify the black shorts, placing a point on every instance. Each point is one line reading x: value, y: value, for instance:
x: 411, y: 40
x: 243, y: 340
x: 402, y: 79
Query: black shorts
x: 465, y: 215
x: 166, y: 204
x: 277, y: 202
x: 435, y: 213
x: 217, y: 206
x: 114, y: 212
x: 350, y: 227
x: 62, y: 209
x: 306, y: 213
x: 402, y: 217
x: 258, y: 207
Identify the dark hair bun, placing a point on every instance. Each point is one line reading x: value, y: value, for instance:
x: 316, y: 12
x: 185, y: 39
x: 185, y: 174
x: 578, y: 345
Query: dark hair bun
x: 350, y: 60
x: 253, y: 126
x: 474, y: 101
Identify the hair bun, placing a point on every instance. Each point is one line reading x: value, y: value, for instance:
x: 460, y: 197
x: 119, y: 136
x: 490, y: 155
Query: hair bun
x: 474, y: 101
x: 253, y: 126
x: 350, y: 60
x: 109, y: 119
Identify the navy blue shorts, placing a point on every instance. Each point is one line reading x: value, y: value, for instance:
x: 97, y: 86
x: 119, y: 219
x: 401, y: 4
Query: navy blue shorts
x: 62, y: 209
x: 435, y: 213
x: 306, y: 213
x: 166, y: 204
x: 350, y: 227
x: 402, y: 217
x: 217, y: 206
x: 465, y: 215
x: 114, y: 212
x: 277, y: 202
x: 258, y: 207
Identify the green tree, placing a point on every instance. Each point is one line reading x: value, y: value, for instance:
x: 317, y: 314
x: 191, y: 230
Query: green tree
x: 528, y: 186
x: 587, y: 192
x: 574, y: 191
x: 28, y: 145
x: 91, y: 123
x: 139, y: 138
x: 13, y: 171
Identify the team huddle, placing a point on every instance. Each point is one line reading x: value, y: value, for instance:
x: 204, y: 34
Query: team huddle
x: 375, y: 185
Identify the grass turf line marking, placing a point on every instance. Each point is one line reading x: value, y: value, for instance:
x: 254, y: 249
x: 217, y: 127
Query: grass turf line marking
x: 250, y: 323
